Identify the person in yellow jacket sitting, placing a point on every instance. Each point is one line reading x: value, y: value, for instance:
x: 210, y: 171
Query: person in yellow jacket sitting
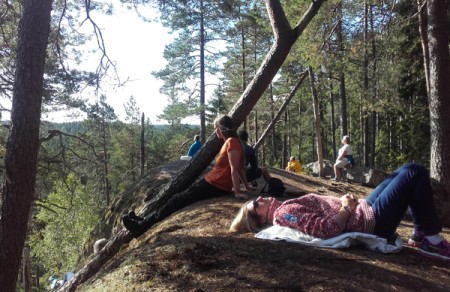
x: 294, y: 165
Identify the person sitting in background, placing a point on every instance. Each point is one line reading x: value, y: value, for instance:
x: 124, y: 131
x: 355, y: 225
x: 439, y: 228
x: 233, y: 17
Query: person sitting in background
x: 224, y: 177
x: 251, y: 168
x: 194, y: 146
x: 99, y: 245
x: 294, y: 165
x: 379, y: 214
x: 344, y: 159
x: 54, y: 282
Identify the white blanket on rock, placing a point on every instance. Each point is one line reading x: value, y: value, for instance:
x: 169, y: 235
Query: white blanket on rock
x: 344, y: 240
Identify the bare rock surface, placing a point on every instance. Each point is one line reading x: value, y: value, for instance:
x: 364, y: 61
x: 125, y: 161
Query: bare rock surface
x: 192, y: 251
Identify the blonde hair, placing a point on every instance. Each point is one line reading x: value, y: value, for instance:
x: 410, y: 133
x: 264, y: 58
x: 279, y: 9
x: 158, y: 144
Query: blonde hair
x: 245, y: 221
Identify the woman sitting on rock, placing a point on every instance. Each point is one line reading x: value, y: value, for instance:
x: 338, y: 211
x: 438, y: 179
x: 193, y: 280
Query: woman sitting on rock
x: 224, y: 177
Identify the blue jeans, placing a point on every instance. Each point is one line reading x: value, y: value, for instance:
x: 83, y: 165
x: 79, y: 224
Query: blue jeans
x: 408, y: 186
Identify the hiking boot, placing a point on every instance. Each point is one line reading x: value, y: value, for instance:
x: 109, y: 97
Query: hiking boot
x: 135, y: 227
x: 133, y: 216
x: 439, y: 251
x: 415, y: 240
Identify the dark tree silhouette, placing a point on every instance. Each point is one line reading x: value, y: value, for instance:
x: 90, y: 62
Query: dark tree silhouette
x: 23, y: 142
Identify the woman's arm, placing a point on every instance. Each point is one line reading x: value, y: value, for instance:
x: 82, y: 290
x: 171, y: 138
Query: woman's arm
x: 343, y: 154
x: 234, y: 158
x: 244, y: 180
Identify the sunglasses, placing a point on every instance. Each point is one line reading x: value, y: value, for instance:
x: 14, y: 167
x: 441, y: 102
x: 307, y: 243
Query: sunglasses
x: 255, y: 205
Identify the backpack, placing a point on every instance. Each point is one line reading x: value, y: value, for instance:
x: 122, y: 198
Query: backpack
x: 276, y: 187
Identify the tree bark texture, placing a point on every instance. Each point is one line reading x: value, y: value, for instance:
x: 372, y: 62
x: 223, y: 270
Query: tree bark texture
x: 422, y: 14
x: 142, y: 147
x: 342, y: 93
x: 439, y: 94
x: 317, y: 122
x: 23, y: 141
x: 202, y: 75
x: 280, y: 112
x: 285, y: 37
x: 26, y: 270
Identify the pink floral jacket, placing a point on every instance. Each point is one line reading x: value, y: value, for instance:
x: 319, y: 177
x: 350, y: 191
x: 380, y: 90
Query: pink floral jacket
x: 317, y: 215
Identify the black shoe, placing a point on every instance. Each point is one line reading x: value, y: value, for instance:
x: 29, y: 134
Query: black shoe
x: 135, y: 227
x: 133, y: 216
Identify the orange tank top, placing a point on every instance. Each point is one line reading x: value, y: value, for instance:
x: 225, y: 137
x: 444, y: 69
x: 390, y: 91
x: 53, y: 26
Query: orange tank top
x: 220, y: 174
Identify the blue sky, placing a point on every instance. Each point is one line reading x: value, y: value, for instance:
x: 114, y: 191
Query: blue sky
x: 136, y: 47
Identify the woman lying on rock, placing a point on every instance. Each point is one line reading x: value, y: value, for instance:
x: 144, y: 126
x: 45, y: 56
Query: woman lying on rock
x: 224, y: 177
x: 379, y: 214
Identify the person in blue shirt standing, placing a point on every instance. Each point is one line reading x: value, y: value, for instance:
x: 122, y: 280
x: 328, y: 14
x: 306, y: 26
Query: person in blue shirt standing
x: 195, y: 146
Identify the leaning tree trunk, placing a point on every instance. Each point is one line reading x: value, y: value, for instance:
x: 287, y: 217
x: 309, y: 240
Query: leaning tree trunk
x: 23, y: 141
x: 280, y: 112
x: 285, y: 37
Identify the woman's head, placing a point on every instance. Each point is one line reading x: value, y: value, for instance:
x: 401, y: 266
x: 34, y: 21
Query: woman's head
x: 245, y: 220
x: 225, y: 125
x: 252, y: 215
x: 346, y: 139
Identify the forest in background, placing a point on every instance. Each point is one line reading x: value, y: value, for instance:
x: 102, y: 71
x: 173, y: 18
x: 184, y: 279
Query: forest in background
x: 369, y: 82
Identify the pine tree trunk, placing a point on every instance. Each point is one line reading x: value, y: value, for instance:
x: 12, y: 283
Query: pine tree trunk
x: 333, y: 117
x: 373, y: 114
x: 439, y: 94
x: 364, y: 118
x: 342, y: 93
x: 142, y: 144
x: 318, y: 127
x: 202, y: 75
x: 23, y: 141
x: 422, y: 14
x: 286, y: 139
x: 299, y: 127
x: 105, y: 162
x: 26, y: 270
x: 244, y: 67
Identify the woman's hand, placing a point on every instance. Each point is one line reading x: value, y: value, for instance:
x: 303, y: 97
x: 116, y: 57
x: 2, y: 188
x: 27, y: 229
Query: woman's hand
x: 349, y: 201
x: 240, y: 195
x: 250, y: 188
x: 243, y: 194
